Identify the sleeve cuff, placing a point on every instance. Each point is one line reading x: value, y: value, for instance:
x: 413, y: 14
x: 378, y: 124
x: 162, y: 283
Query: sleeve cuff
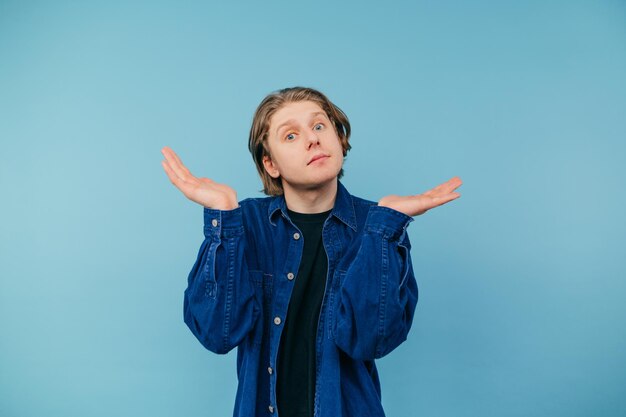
x: 386, y: 220
x: 222, y: 223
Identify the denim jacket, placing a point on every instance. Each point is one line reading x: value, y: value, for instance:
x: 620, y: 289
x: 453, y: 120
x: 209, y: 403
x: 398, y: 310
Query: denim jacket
x: 239, y: 288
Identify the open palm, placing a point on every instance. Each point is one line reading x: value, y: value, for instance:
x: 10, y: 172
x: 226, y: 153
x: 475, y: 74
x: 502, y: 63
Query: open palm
x: 201, y: 190
x: 414, y: 205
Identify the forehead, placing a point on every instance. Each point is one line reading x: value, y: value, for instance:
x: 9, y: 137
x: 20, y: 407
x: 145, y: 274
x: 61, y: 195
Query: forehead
x: 299, y: 111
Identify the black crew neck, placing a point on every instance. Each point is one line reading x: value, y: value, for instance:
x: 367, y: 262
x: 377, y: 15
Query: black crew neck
x: 308, y: 217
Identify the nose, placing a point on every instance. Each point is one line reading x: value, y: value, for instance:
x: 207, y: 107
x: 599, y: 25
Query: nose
x: 312, y: 139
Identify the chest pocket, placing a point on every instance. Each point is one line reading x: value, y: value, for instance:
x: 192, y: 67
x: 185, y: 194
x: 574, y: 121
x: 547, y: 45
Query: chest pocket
x: 263, y: 287
x: 333, y: 299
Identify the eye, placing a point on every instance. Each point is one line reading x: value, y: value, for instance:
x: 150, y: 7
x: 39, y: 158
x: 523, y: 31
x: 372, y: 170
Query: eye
x: 319, y: 126
x: 290, y: 136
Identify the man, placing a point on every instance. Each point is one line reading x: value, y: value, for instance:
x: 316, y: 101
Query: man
x: 311, y: 284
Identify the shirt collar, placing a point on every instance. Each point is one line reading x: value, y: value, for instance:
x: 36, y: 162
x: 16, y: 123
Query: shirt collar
x: 343, y: 209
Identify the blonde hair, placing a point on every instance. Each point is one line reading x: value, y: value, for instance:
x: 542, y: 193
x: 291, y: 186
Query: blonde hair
x: 257, y: 142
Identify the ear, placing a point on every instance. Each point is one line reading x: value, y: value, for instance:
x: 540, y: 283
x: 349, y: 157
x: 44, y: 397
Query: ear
x: 270, y: 167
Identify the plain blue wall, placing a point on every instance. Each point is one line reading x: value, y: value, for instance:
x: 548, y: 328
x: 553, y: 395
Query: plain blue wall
x: 522, y: 280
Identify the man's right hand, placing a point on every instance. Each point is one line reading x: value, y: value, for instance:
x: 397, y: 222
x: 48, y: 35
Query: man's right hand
x: 203, y: 191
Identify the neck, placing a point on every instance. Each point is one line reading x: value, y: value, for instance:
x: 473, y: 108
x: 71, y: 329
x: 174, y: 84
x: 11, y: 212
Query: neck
x: 311, y: 200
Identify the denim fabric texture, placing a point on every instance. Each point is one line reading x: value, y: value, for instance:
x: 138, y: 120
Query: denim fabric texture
x: 239, y: 288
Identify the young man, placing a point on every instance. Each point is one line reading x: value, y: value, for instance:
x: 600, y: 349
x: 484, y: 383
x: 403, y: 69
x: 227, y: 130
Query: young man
x: 311, y: 284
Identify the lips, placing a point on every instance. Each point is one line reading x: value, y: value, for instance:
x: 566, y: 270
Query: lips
x: 316, y: 157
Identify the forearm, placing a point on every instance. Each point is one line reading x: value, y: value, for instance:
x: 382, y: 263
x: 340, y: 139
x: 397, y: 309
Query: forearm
x: 378, y: 295
x: 219, y: 303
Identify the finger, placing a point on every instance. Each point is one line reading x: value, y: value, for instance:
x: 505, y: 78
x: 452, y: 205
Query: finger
x: 169, y: 171
x: 447, y: 187
x: 178, y: 160
x: 453, y: 183
x: 171, y: 158
x: 174, y: 178
x: 436, y: 190
x: 176, y: 164
x: 441, y: 200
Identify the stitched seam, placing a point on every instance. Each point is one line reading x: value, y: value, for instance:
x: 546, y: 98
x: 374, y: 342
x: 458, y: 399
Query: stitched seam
x: 403, y: 265
x: 383, y: 295
x: 210, y: 286
x: 229, y: 290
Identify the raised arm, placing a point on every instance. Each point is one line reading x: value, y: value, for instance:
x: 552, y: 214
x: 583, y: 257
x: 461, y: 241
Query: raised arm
x: 379, y: 293
x: 220, y: 307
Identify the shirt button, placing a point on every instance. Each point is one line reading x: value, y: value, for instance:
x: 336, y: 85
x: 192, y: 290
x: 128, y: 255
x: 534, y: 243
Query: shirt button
x: 277, y: 320
x: 271, y: 409
x: 270, y: 370
x: 290, y: 276
x: 296, y: 235
x: 214, y: 223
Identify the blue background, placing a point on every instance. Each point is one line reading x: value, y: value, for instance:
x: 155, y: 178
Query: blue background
x: 522, y: 279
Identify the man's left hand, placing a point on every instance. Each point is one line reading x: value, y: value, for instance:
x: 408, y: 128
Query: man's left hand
x: 414, y: 205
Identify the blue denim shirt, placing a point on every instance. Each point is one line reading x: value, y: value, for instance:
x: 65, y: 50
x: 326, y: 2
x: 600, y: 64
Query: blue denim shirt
x: 239, y: 288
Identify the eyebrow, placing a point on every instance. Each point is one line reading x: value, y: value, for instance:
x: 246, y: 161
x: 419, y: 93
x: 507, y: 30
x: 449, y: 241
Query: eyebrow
x: 291, y: 121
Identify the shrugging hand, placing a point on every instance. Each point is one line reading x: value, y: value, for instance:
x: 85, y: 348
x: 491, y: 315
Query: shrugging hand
x: 203, y: 191
x: 414, y: 205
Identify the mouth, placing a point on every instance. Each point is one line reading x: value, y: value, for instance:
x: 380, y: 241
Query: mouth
x: 316, y: 158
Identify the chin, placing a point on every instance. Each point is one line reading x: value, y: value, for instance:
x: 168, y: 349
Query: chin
x: 318, y: 182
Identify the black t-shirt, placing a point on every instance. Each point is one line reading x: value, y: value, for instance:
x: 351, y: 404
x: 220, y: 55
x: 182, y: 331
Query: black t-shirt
x: 295, y: 386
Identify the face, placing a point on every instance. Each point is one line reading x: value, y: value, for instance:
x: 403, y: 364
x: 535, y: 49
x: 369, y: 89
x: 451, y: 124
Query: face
x: 305, y: 148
